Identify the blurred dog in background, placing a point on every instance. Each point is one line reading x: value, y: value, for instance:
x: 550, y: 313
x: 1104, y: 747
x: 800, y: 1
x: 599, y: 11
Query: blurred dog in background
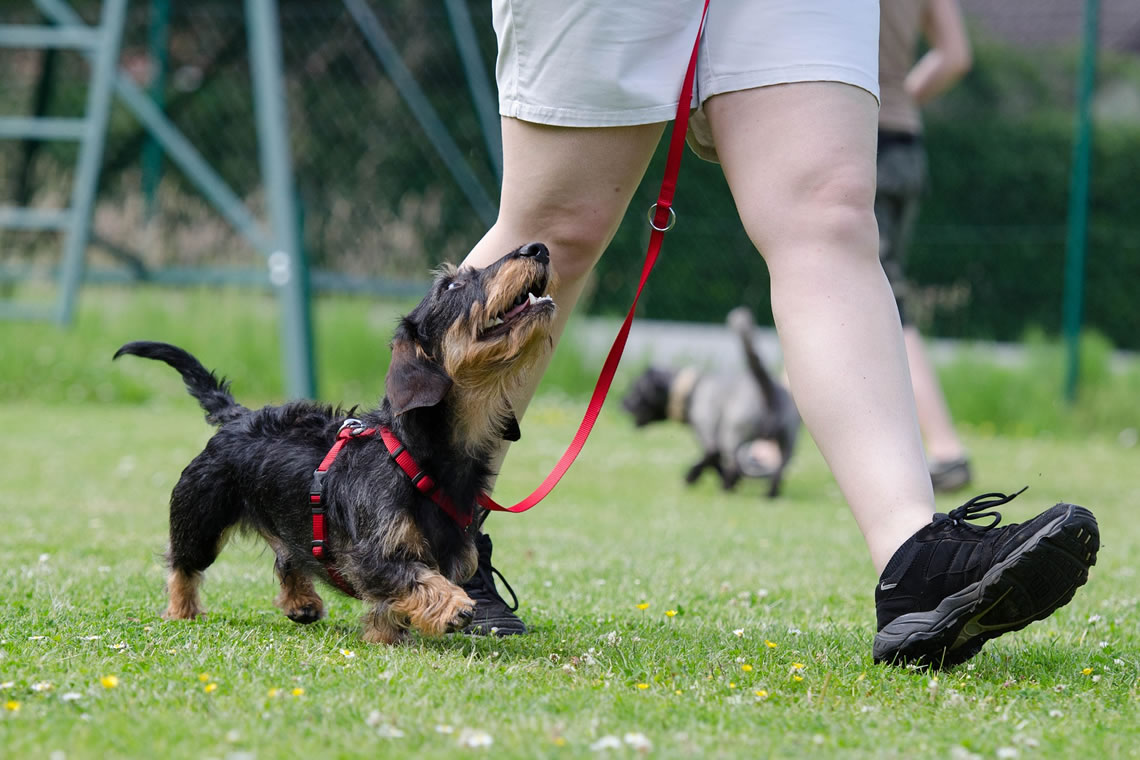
x: 729, y: 413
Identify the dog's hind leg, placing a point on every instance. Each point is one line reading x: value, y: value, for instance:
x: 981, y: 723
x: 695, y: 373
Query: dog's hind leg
x: 298, y: 598
x: 710, y: 459
x: 201, y: 516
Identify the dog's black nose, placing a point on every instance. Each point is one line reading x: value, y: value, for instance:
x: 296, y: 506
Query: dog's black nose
x: 535, y: 251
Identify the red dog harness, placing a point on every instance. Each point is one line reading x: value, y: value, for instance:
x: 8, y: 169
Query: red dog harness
x: 353, y: 428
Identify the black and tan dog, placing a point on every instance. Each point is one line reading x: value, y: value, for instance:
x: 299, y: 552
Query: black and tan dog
x: 455, y: 358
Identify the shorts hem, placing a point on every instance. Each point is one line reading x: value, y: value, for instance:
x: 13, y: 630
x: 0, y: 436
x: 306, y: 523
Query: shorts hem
x: 576, y: 117
x: 797, y: 74
x: 515, y: 107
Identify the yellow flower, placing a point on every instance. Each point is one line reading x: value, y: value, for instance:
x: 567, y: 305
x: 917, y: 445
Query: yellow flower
x: 746, y: 668
x: 731, y: 685
x: 643, y: 606
x: 273, y: 692
x: 560, y: 741
x: 797, y: 666
x: 677, y: 692
x: 109, y: 682
x: 203, y: 677
x: 210, y: 688
x: 770, y: 644
x: 761, y: 693
x: 671, y: 613
x: 12, y: 706
x: 298, y: 691
x: 797, y: 677
x: 1086, y: 672
x: 643, y: 686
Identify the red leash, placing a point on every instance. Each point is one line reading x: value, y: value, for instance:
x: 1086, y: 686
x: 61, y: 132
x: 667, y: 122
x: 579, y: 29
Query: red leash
x: 662, y: 218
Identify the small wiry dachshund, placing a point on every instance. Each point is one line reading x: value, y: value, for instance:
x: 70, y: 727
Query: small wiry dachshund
x: 455, y: 358
x: 726, y: 412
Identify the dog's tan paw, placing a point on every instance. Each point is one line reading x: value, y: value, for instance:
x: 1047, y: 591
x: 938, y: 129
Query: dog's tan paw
x: 436, y: 606
x: 184, y: 600
x: 182, y: 611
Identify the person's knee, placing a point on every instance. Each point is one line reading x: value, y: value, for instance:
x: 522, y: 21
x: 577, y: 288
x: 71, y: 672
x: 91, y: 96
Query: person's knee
x: 577, y: 234
x: 824, y: 209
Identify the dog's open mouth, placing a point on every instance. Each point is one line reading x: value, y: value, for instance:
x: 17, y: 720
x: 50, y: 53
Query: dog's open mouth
x: 526, y: 303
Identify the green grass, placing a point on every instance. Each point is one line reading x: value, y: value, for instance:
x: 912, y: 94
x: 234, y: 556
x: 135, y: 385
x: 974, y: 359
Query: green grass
x: 84, y: 526
x: 91, y: 450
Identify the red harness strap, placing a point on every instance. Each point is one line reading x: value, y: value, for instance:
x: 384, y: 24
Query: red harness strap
x: 421, y: 480
x: 350, y: 429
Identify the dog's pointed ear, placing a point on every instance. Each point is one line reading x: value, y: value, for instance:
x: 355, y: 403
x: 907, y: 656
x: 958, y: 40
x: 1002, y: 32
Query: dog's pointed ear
x: 511, y: 430
x: 413, y: 380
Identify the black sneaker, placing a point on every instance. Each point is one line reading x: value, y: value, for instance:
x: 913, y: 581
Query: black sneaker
x: 953, y: 586
x: 492, y: 614
x: 950, y: 474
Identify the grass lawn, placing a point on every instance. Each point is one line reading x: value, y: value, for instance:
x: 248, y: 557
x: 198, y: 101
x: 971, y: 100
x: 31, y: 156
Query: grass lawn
x: 706, y: 624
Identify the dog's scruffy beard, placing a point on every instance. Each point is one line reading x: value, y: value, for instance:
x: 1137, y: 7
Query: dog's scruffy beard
x: 490, y: 352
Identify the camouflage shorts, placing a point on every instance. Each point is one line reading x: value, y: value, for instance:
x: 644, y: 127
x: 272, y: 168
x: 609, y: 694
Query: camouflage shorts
x: 901, y: 177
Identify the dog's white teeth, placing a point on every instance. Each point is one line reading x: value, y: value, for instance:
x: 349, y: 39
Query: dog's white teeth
x: 531, y: 299
x: 493, y: 323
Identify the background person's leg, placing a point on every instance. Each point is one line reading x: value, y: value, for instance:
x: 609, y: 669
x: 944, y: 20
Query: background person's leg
x: 942, y: 442
x: 800, y: 159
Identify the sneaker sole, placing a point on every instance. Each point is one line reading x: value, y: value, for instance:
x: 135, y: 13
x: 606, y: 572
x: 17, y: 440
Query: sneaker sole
x: 1038, y: 578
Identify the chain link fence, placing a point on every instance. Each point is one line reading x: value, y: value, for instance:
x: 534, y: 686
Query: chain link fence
x: 381, y: 204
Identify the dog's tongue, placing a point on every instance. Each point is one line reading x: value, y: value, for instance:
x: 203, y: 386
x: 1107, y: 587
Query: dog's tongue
x: 516, y: 311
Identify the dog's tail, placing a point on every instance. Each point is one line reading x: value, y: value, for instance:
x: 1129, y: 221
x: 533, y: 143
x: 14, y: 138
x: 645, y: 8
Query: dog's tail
x: 212, y: 393
x: 740, y: 320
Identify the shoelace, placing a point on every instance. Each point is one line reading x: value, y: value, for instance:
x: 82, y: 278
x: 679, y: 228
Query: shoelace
x: 972, y: 510
x: 486, y: 573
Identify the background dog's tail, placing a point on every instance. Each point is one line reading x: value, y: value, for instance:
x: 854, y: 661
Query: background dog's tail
x: 212, y: 393
x: 741, y: 322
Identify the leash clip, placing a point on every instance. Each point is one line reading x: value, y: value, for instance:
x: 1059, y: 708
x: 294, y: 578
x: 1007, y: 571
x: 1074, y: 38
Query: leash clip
x: 351, y: 427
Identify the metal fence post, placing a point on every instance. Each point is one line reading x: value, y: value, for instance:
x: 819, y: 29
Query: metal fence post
x: 158, y: 35
x: 1078, y: 215
x: 486, y: 104
x: 288, y: 271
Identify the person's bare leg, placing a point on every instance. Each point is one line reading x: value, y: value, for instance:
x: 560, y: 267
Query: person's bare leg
x: 800, y: 159
x: 568, y: 188
x: 942, y: 442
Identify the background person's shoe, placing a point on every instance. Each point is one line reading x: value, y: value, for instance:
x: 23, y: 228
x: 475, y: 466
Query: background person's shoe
x: 953, y: 586
x: 493, y: 616
x: 950, y: 474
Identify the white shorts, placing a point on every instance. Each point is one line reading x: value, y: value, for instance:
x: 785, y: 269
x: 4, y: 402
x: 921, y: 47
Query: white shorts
x: 608, y: 63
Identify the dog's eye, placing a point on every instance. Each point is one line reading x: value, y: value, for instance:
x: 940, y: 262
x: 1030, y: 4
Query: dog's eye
x: 454, y: 284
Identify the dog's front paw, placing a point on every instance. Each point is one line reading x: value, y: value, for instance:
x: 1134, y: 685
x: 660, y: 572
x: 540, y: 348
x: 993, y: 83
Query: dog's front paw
x: 463, y: 616
x: 436, y: 606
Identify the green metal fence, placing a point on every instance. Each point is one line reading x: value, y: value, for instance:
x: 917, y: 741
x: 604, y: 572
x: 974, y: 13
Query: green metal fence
x: 394, y: 152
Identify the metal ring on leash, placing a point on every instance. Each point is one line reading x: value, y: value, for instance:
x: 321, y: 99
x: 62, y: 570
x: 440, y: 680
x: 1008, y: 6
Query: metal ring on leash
x: 653, y: 212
